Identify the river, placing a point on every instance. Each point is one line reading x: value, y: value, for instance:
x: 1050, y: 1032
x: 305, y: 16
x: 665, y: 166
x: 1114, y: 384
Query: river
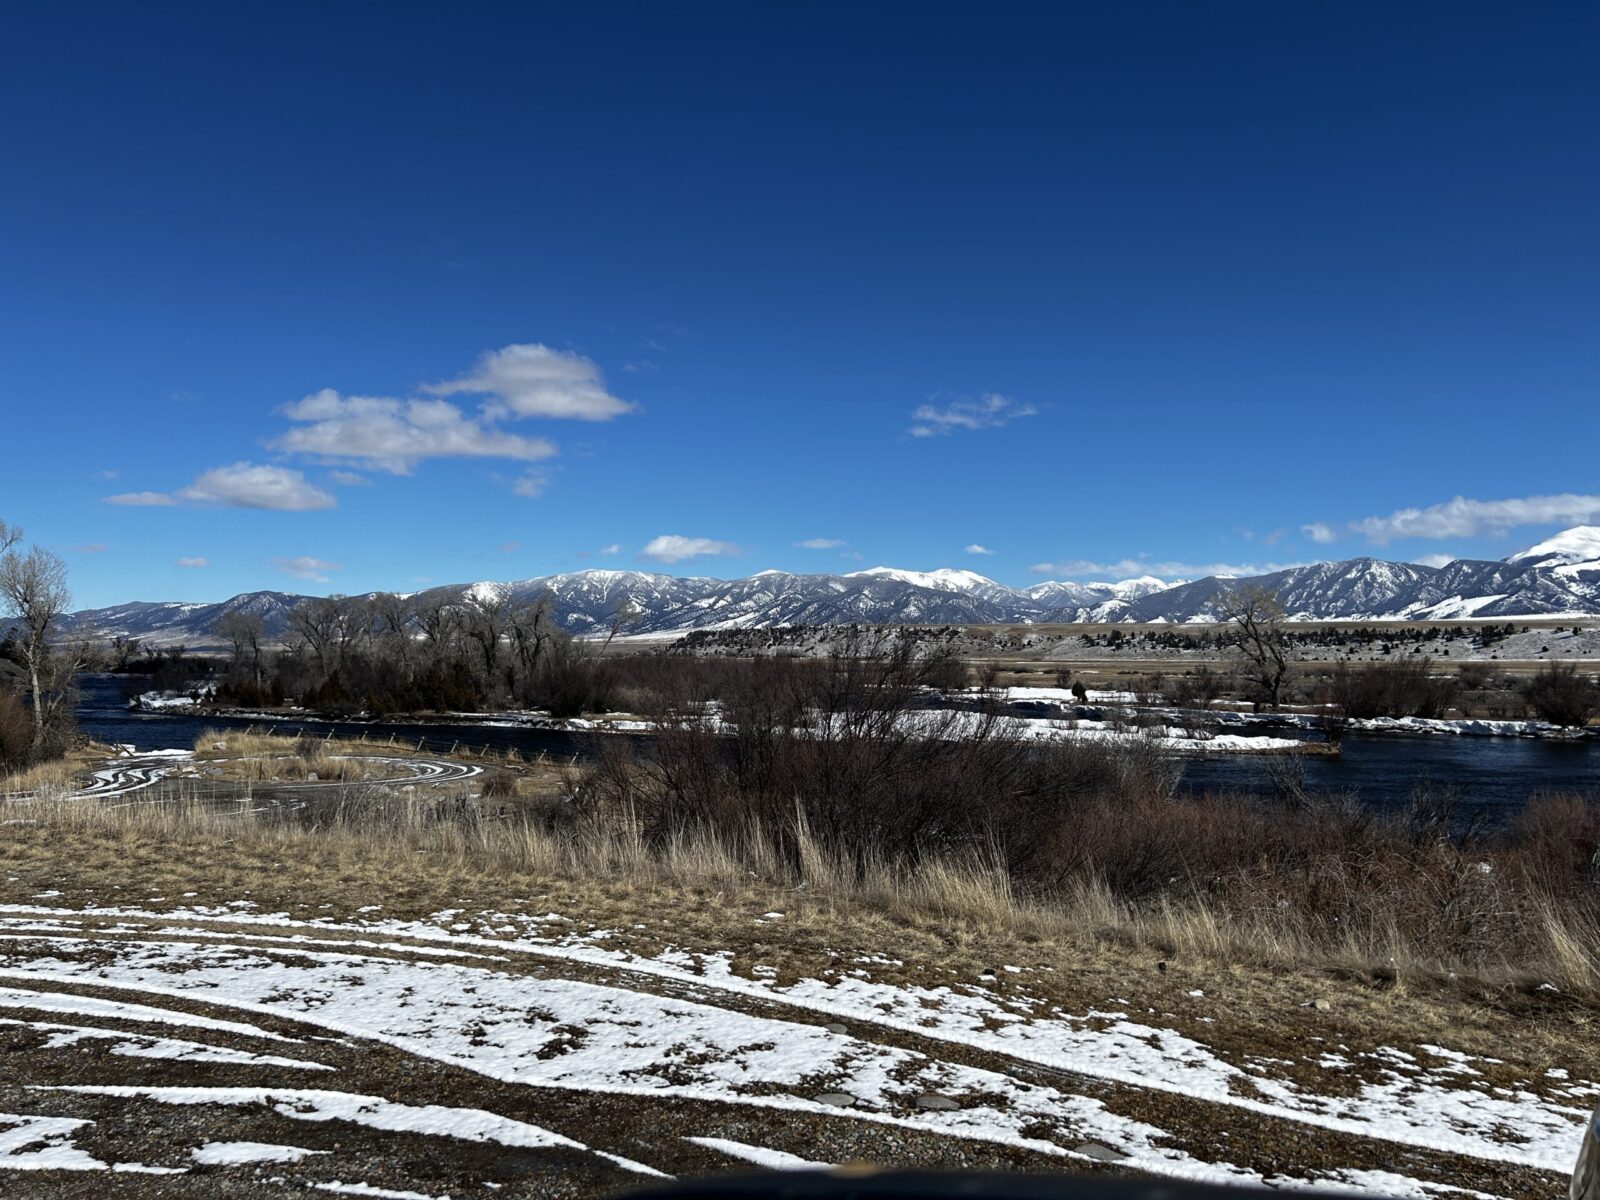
x: 1495, y: 776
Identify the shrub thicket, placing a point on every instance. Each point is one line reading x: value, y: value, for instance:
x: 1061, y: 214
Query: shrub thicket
x: 1407, y: 687
x: 1562, y: 696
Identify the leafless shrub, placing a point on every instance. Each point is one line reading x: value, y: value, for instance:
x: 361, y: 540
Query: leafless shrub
x: 16, y: 732
x: 499, y: 784
x: 1149, y: 690
x: 1197, y: 689
x: 1560, y: 695
x: 844, y: 748
x: 1408, y: 687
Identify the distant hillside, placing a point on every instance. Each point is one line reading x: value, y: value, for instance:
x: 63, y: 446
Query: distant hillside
x: 1552, y: 578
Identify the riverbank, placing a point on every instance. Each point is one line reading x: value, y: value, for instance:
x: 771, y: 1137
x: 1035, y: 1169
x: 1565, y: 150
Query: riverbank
x: 1491, y: 778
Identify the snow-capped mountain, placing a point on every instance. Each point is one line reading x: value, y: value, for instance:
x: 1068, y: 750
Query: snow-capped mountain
x: 1553, y: 578
x: 1580, y: 544
x: 168, y: 624
x: 1556, y: 577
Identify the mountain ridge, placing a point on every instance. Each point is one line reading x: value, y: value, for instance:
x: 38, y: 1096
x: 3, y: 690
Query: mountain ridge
x: 1552, y: 578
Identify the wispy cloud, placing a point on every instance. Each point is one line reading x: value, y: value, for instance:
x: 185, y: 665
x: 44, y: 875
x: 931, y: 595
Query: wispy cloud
x: 1320, y: 533
x: 531, y: 484
x: 1435, y: 560
x: 349, y: 479
x: 989, y: 411
x: 394, y: 435
x: 1462, y: 517
x: 142, y: 499
x: 977, y: 549
x: 242, y: 485
x: 195, y: 562
x: 820, y: 544
x: 91, y: 548
x: 306, y: 567
x: 532, y: 380
x: 614, y: 548
x: 672, y: 547
x: 1130, y: 568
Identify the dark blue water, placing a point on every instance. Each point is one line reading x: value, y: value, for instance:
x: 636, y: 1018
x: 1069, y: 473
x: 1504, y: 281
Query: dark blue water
x: 104, y: 715
x: 1489, y: 774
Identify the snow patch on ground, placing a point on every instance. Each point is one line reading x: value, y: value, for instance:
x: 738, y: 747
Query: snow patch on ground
x: 773, y: 1160
x: 233, y: 1154
x: 132, y: 1045
x: 33, y: 1143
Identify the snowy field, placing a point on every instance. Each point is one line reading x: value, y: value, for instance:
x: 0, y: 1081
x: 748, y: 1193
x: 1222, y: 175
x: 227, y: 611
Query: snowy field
x: 489, y: 1053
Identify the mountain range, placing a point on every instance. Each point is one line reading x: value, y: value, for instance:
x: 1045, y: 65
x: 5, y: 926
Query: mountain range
x: 1559, y: 576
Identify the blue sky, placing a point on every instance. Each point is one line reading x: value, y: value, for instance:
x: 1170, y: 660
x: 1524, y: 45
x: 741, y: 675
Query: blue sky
x: 340, y: 297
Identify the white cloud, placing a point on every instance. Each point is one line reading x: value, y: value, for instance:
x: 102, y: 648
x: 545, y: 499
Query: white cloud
x: 394, y: 435
x: 671, y: 548
x: 194, y: 562
x: 977, y: 549
x: 988, y: 412
x: 242, y: 485
x: 349, y: 479
x: 531, y: 484
x: 1129, y: 568
x: 1320, y: 533
x: 614, y: 548
x: 531, y: 380
x: 820, y: 544
x: 1462, y: 517
x: 250, y: 485
x: 142, y: 500
x: 1436, y: 560
x: 306, y: 567
x: 91, y: 548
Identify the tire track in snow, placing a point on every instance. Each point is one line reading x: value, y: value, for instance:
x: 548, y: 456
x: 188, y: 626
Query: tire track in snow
x: 1436, y: 1123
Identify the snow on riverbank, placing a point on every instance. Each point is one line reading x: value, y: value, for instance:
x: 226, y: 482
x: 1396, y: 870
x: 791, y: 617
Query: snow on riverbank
x: 1235, y: 719
x: 174, y: 701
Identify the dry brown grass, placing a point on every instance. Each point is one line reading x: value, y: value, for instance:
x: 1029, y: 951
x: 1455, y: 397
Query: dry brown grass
x: 954, y: 918
x: 57, y: 775
x: 419, y: 853
x: 257, y: 756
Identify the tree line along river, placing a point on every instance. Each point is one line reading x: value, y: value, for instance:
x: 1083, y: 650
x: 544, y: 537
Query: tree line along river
x: 1491, y: 775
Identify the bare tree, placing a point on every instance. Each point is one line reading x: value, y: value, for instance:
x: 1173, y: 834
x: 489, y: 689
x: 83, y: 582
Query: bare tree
x: 531, y: 630
x: 391, y: 618
x: 1254, y: 631
x: 331, y: 627
x: 626, y: 614
x: 123, y: 651
x: 438, y: 620
x: 33, y: 589
x: 243, y: 632
x: 485, y: 615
